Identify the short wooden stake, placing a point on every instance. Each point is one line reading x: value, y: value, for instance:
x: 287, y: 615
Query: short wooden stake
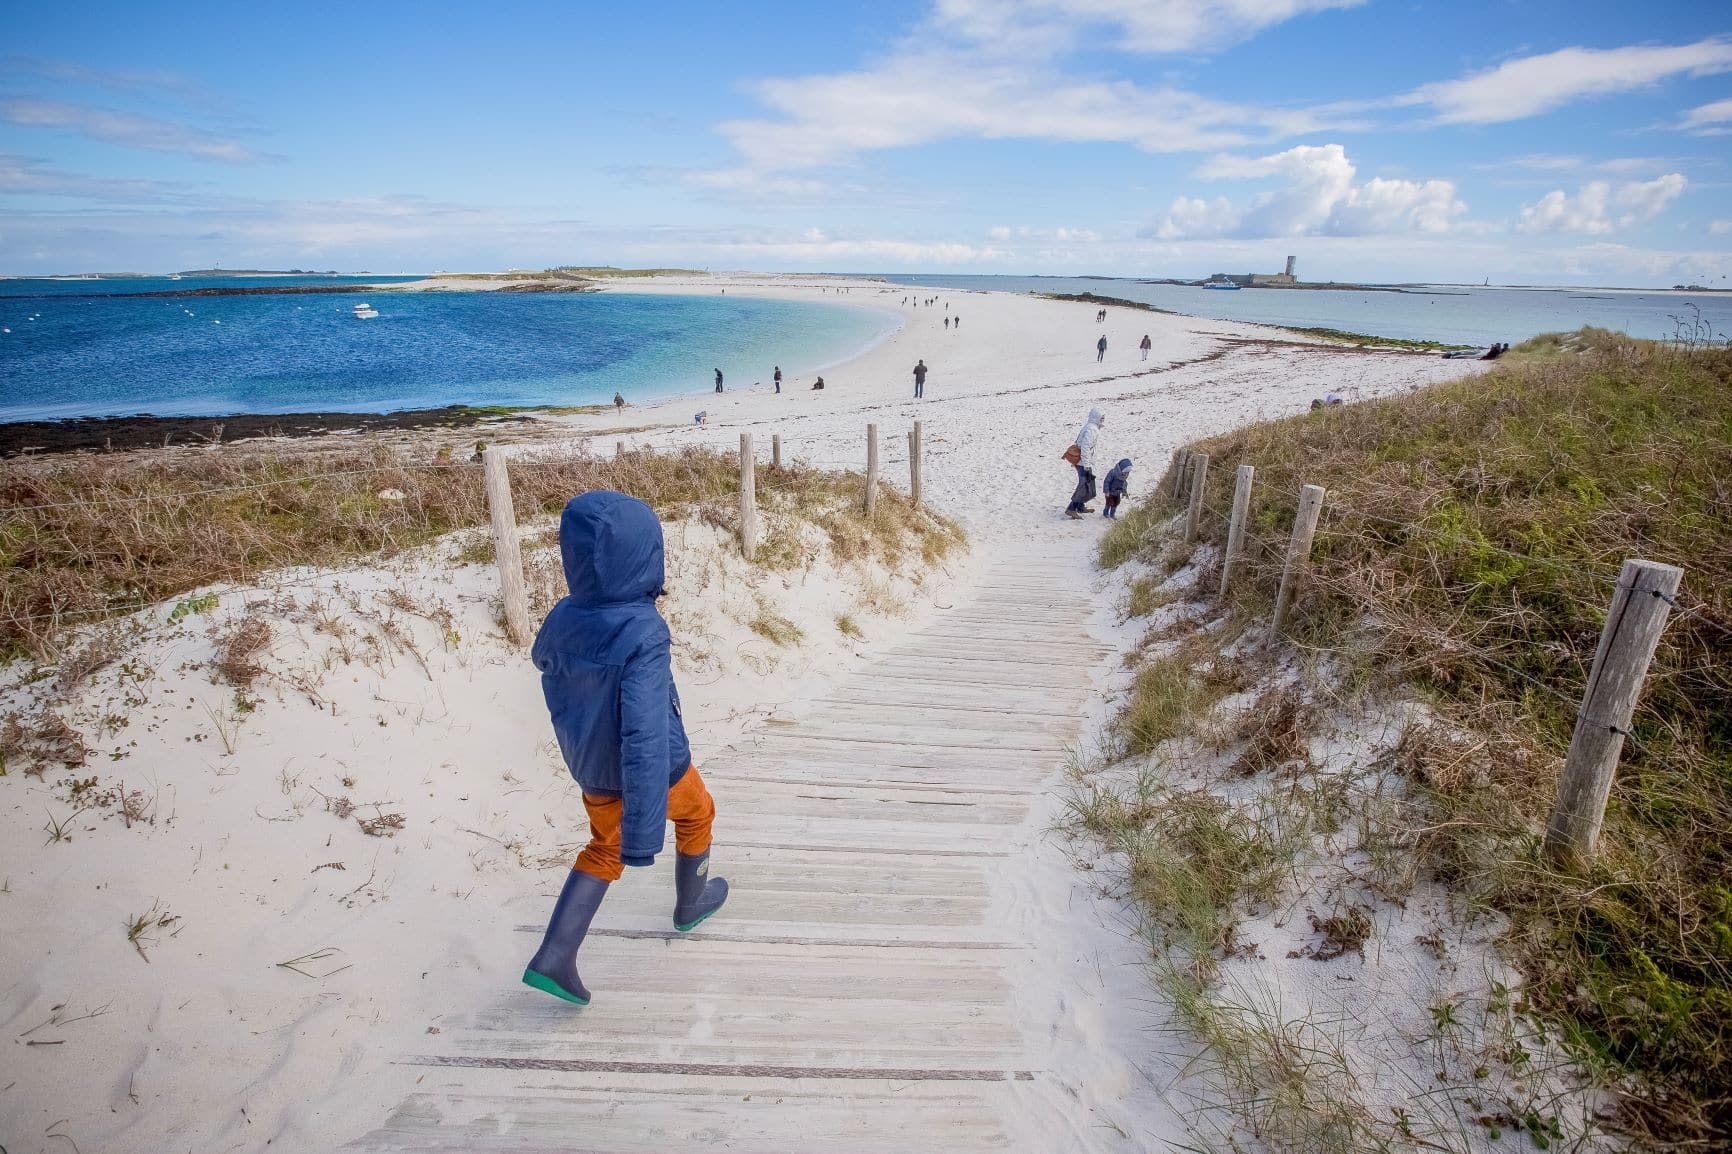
x: 1637, y: 616
x: 914, y: 448
x: 1236, y: 528
x: 871, y: 467
x: 775, y: 450
x: 505, y: 548
x: 1199, y: 477
x: 1298, y: 550
x: 1178, y: 467
x: 618, y: 449
x: 1183, y: 457
x: 748, y: 498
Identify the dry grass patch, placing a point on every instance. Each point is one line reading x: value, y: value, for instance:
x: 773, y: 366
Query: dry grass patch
x: 1469, y: 546
x: 91, y: 536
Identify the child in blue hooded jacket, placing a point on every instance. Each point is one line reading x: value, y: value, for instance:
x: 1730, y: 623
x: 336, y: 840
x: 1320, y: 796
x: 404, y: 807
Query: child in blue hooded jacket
x: 1117, y: 483
x: 604, y: 653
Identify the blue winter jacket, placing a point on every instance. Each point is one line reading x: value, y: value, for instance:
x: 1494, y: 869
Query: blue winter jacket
x: 1118, y: 478
x: 606, y: 668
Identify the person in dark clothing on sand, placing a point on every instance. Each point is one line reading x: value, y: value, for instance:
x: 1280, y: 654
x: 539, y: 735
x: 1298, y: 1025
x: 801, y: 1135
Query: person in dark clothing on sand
x: 778, y: 378
x: 618, y: 401
x: 1100, y: 354
x: 1115, y: 486
x: 718, y: 380
x: 1146, y: 346
x: 818, y: 384
x: 919, y: 379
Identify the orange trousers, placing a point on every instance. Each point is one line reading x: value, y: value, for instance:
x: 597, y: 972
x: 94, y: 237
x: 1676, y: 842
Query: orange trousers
x: 690, y: 808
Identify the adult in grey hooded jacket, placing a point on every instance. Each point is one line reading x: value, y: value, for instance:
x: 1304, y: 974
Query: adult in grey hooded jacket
x: 1085, y: 466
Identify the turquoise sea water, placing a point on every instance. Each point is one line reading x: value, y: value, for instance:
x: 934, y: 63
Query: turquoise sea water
x: 1450, y: 314
x: 88, y: 353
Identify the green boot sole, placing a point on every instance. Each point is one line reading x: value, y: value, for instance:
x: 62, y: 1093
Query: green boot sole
x: 689, y: 926
x: 548, y: 986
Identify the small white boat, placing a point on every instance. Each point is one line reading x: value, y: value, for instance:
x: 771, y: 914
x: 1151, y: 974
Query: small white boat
x: 1220, y: 284
x: 365, y: 311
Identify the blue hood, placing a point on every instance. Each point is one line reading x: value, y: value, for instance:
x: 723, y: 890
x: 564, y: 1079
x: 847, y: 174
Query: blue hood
x: 1125, y: 465
x: 611, y: 545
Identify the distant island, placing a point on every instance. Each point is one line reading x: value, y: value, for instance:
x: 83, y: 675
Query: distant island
x: 265, y: 272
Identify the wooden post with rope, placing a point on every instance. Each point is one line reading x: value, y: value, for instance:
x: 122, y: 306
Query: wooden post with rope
x: 914, y: 464
x: 1641, y: 603
x: 748, y: 498
x: 1199, y: 477
x: 871, y: 468
x: 505, y: 548
x: 1246, y: 475
x: 1298, y: 551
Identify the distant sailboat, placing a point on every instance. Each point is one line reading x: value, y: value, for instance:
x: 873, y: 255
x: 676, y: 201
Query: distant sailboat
x: 365, y: 311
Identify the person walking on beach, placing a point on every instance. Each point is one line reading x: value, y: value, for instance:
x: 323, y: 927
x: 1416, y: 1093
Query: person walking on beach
x: 957, y: 321
x: 606, y: 672
x: 946, y: 324
x: 919, y: 379
x: 1115, y: 485
x: 1082, y: 455
x: 778, y: 378
x: 718, y: 380
x: 1100, y: 355
x: 1146, y: 346
x: 618, y: 403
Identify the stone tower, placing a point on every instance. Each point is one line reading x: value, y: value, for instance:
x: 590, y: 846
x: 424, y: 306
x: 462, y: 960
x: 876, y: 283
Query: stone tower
x: 1290, y: 261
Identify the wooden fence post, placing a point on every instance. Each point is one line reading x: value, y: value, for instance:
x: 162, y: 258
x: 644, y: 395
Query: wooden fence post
x: 871, y: 468
x: 775, y: 450
x: 505, y: 548
x: 1637, y: 616
x: 1298, y: 550
x: 748, y: 498
x: 914, y: 448
x: 618, y: 449
x: 1236, y: 528
x: 1199, y: 477
x: 1181, y: 462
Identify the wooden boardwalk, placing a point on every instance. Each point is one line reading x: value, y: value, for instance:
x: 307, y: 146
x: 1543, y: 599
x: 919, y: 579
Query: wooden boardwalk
x: 853, y: 995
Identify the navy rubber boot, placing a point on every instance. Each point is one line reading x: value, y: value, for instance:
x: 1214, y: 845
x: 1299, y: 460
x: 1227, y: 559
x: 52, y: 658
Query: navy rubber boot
x: 553, y: 970
x: 696, y: 894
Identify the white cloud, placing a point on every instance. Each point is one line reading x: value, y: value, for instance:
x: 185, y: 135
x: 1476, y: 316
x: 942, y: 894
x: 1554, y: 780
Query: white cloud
x: 1517, y: 89
x: 1597, y: 208
x: 126, y: 128
x: 1318, y: 196
x: 933, y: 95
x: 1060, y: 235
x: 1554, y: 162
x: 1709, y: 119
x: 1143, y: 26
x: 1719, y: 227
x: 1195, y: 217
x: 992, y: 70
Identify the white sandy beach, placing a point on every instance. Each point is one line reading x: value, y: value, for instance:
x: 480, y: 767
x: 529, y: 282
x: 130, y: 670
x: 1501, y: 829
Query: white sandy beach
x: 198, y: 1038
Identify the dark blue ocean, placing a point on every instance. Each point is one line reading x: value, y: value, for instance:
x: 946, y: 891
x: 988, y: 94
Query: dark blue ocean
x: 87, y: 353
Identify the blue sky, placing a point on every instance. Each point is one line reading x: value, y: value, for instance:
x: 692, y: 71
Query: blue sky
x: 1527, y: 141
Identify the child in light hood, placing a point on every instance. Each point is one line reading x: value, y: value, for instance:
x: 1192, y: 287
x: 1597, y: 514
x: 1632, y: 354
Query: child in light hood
x: 1115, y: 486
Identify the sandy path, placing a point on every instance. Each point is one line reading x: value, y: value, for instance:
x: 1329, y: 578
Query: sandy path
x: 868, y: 987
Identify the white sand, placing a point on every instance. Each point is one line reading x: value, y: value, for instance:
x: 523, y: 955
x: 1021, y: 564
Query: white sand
x: 210, y: 1045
